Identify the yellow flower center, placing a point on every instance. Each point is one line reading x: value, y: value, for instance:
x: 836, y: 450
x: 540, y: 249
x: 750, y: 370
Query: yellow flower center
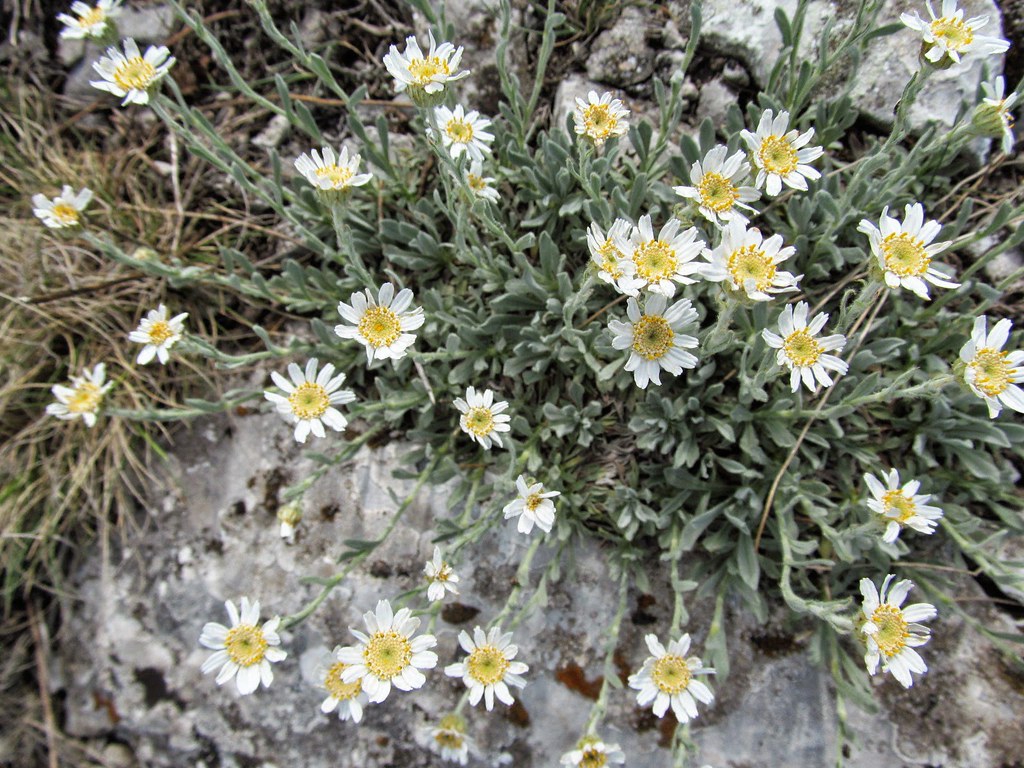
x: 652, y: 337
x: 896, y: 501
x: 476, y: 183
x: 479, y: 421
x: 91, y: 17
x: 444, y: 573
x: 245, y: 644
x: 777, y: 155
x: 751, y: 263
x: 892, y: 629
x: 65, y: 213
x: 956, y: 34
x: 85, y: 399
x: 337, y: 687
x: 905, y: 255
x: 159, y: 332
x: 717, y: 192
x: 487, y: 665
x: 136, y: 74
x: 338, y: 175
x: 671, y: 674
x: 992, y: 371
x: 380, y: 326
x: 533, y: 501
x: 599, y: 122
x: 655, y: 260
x: 593, y: 758
x: 424, y: 70
x: 801, y: 348
x: 610, y: 256
x: 309, y: 400
x: 387, y: 654
x: 448, y: 739
x: 459, y: 131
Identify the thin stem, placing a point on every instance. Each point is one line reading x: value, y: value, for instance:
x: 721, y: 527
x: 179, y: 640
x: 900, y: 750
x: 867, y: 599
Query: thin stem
x: 611, y: 643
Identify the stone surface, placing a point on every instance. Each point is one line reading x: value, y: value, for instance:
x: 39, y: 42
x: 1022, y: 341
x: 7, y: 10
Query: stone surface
x: 129, y: 663
x: 622, y: 56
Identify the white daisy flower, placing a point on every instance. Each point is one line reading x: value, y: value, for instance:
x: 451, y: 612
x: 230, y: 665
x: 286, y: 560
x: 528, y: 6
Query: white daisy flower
x: 89, y: 21
x: 347, y: 699
x: 309, y: 399
x: 488, y: 670
x: 613, y: 266
x: 992, y: 117
x: 83, y: 398
x: 424, y: 76
x: 333, y: 174
x: 389, y: 654
x: 993, y: 375
x: 747, y: 263
x: 781, y: 157
x: 64, y: 210
x: 479, y: 184
x: 591, y: 752
x: 663, y: 261
x: 717, y: 185
x: 806, y: 356
x: 440, y: 576
x: 289, y: 515
x: 244, y: 650
x: 533, y: 506
x: 900, y: 507
x: 159, y: 334
x: 382, y: 326
x: 482, y: 418
x: 131, y: 74
x: 892, y: 633
x: 905, y: 251
x: 450, y: 739
x: 464, y: 132
x: 668, y: 678
x: 948, y: 37
x: 655, y: 339
x: 600, y: 119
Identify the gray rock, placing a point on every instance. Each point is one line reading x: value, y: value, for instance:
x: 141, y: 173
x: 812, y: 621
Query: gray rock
x: 715, y: 100
x: 273, y: 134
x: 621, y: 56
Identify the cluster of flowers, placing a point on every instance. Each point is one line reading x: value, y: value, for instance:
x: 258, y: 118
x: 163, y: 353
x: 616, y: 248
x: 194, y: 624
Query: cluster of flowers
x: 646, y: 268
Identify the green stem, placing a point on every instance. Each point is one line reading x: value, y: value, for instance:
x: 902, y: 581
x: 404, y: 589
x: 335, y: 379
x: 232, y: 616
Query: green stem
x: 611, y: 642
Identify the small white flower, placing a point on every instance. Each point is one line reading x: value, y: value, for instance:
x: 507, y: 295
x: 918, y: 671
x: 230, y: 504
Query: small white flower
x: 482, y: 418
x: 717, y: 185
x: 905, y: 251
x: 613, y: 266
x: 591, y: 752
x: 463, y: 132
x: 64, y: 210
x: 389, y: 654
x: 781, y: 157
x: 132, y: 74
x: 440, y: 576
x: 158, y: 334
x: 488, y: 670
x: 309, y: 399
x: 330, y: 172
x: 450, y: 739
x: 901, y: 507
x: 347, y: 698
x: 655, y: 339
x: 289, y: 515
x: 806, y: 356
x: 425, y: 76
x: 892, y: 633
x: 244, y: 650
x: 479, y: 184
x: 533, y: 506
x: 993, y: 114
x: 948, y: 37
x: 669, y: 678
x: 748, y: 263
x: 993, y: 375
x: 382, y: 326
x: 91, y: 21
x: 600, y: 119
x: 83, y: 398
x: 661, y: 262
